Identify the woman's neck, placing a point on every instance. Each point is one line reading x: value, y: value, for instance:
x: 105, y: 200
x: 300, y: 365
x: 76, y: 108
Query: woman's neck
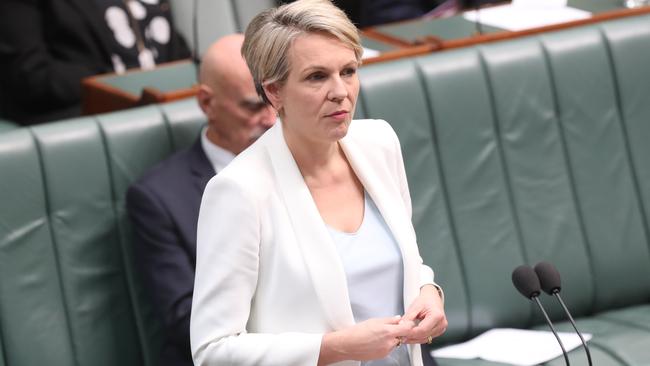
x: 318, y: 161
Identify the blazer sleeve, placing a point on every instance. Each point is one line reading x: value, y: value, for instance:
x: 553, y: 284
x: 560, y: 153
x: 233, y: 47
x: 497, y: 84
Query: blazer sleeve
x: 426, y: 273
x: 227, y: 267
x: 164, y: 262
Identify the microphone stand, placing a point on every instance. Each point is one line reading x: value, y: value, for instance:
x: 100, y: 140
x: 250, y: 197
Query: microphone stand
x: 550, y: 324
x: 556, y: 293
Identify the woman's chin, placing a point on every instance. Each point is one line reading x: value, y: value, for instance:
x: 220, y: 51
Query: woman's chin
x: 339, y: 131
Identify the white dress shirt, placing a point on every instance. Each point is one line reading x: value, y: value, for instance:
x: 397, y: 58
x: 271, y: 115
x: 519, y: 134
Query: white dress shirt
x: 217, y: 155
x: 375, y: 274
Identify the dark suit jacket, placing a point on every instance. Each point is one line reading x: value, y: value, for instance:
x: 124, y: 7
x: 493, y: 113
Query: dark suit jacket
x: 164, y: 208
x: 46, y: 48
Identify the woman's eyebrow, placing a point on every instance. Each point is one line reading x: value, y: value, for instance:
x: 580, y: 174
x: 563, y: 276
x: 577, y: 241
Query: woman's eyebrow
x: 317, y: 67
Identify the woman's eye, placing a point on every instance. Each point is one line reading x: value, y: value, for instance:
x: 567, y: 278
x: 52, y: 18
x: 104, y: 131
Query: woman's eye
x: 349, y: 71
x: 316, y: 76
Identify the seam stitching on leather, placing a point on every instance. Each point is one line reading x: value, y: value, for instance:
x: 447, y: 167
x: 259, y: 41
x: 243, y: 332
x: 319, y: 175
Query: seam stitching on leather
x: 569, y: 172
x: 445, y: 196
x: 629, y: 155
x: 128, y: 277
x: 55, y: 247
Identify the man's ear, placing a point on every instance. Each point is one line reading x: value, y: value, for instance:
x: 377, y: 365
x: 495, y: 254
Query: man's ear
x: 204, y: 97
x: 272, y: 92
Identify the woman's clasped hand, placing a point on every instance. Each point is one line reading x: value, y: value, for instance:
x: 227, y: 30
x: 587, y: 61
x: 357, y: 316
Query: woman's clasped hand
x: 376, y: 338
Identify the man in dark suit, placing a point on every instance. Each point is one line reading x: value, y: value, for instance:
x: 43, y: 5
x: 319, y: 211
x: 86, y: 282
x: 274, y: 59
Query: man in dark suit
x: 164, y: 204
x: 48, y: 46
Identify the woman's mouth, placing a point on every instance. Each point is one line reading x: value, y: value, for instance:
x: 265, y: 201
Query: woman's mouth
x: 338, y: 114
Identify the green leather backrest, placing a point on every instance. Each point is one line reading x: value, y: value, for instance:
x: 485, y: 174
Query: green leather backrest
x: 216, y: 18
x: 527, y: 150
x: 33, y: 305
x: 6, y: 125
x: 70, y: 294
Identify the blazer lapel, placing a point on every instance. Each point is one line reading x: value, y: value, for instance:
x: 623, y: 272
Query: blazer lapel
x: 318, y: 250
x: 390, y: 207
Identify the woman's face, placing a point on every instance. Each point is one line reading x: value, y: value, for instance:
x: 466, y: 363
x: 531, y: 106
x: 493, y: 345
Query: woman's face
x: 318, y: 98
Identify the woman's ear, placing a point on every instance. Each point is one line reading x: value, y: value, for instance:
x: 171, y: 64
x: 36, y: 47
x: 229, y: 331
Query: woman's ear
x: 272, y: 92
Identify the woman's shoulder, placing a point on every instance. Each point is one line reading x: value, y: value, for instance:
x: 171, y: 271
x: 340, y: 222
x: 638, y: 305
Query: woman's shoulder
x: 249, y: 172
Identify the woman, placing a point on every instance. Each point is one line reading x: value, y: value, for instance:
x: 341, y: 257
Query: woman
x: 305, y: 253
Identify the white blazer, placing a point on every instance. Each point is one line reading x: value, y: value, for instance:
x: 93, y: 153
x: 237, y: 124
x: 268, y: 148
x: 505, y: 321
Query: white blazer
x: 269, y: 281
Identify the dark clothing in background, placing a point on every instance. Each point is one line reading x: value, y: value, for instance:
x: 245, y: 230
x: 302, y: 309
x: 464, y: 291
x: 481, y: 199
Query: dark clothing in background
x: 150, y: 36
x: 366, y: 13
x: 164, y: 209
x: 46, y: 48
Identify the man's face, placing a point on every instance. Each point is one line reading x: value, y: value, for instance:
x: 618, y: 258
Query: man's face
x: 237, y: 116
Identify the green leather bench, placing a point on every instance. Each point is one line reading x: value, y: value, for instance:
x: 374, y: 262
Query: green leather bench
x: 69, y: 293
x: 520, y: 151
x: 528, y: 150
x: 6, y: 125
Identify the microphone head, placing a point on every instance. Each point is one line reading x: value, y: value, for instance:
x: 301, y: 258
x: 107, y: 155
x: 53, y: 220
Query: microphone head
x: 549, y: 277
x: 525, y: 280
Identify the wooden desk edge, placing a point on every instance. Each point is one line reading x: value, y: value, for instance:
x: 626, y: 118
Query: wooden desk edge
x: 493, y: 37
x: 419, y: 50
x: 439, y: 44
x: 98, y: 97
x: 152, y: 95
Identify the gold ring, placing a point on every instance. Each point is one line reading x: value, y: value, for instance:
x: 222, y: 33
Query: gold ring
x: 399, y: 341
x: 429, y: 339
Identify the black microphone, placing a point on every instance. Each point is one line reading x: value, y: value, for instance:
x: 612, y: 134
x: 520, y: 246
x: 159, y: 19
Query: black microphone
x: 525, y: 280
x: 549, y: 278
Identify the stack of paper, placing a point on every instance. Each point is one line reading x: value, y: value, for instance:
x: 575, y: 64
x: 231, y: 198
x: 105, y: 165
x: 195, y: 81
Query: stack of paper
x: 526, y: 14
x: 513, y: 346
x: 369, y: 52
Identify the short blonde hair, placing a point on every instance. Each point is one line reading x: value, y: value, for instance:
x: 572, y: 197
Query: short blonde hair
x: 270, y: 34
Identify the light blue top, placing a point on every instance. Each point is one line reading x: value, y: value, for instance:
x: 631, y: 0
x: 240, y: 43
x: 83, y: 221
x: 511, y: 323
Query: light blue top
x: 375, y: 274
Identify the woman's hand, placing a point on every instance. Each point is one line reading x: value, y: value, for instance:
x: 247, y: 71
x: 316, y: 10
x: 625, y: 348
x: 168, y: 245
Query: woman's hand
x: 428, y: 315
x: 369, y: 340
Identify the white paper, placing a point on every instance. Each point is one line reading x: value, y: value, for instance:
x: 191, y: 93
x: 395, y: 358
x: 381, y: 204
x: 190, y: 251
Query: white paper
x: 526, y: 14
x: 553, y: 3
x: 513, y: 346
x: 369, y: 52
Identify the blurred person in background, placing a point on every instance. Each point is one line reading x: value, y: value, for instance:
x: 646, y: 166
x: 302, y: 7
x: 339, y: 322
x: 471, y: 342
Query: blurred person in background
x: 48, y: 46
x: 164, y: 204
x: 367, y: 13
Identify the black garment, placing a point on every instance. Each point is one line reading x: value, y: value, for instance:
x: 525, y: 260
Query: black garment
x: 164, y: 210
x: 138, y: 28
x: 366, y: 13
x: 427, y: 359
x: 46, y: 48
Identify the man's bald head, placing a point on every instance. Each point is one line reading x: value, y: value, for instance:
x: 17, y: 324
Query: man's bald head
x: 222, y: 63
x: 236, y: 114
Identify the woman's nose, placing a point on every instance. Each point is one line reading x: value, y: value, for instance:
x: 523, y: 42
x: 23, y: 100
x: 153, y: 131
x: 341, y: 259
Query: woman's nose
x: 338, y: 90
